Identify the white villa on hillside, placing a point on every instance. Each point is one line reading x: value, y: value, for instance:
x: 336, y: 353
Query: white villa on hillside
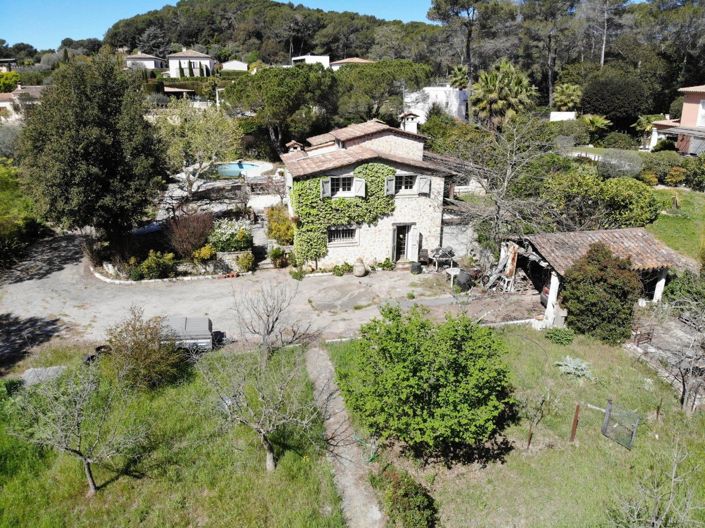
x: 451, y: 100
x: 417, y: 187
x: 336, y: 65
x: 145, y: 61
x: 190, y: 63
x: 235, y: 65
x: 324, y: 60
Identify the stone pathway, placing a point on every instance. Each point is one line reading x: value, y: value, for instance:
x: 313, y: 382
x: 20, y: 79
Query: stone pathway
x: 350, y: 466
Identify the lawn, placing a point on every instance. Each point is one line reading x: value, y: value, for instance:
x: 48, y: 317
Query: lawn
x: 556, y: 483
x: 193, y: 476
x: 682, y: 229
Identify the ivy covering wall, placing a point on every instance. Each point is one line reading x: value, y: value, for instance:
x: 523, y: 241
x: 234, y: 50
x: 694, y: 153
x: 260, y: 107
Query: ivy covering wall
x: 316, y: 214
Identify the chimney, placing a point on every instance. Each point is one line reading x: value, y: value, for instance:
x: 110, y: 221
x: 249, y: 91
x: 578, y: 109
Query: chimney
x: 295, y: 146
x: 409, y: 122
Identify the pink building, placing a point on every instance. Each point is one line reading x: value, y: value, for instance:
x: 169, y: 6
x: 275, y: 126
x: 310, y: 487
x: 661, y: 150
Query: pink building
x: 689, y: 130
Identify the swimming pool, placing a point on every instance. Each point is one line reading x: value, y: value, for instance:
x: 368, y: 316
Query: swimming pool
x: 234, y: 169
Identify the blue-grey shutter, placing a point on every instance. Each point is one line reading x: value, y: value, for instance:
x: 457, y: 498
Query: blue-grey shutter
x: 389, y: 185
x: 325, y: 188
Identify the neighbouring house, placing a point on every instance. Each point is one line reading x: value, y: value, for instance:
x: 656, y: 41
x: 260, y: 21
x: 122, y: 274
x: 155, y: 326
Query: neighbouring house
x: 452, y: 100
x: 376, y: 177
x: 545, y: 258
x: 7, y: 107
x: 689, y: 130
x: 324, y: 60
x: 144, y: 61
x: 16, y: 104
x: 234, y: 65
x: 336, y: 65
x: 190, y: 63
x: 7, y: 65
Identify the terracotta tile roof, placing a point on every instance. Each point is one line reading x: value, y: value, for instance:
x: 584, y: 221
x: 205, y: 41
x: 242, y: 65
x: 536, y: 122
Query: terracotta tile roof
x: 561, y: 250
x: 693, y: 89
x: 188, y: 54
x: 300, y: 163
x: 352, y: 60
x: 34, y: 92
x: 359, y: 130
x: 4, y: 97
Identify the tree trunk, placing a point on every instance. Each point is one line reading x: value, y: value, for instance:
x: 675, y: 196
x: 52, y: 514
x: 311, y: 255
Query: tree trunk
x: 604, y: 38
x: 275, y: 137
x: 270, y: 463
x: 92, y: 488
x: 551, y: 65
x: 468, y: 55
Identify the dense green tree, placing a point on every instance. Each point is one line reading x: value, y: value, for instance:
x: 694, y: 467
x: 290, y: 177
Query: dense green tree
x: 89, y: 158
x: 501, y: 93
x: 620, y: 96
x: 153, y: 41
x: 600, y: 292
x: 435, y: 387
x: 8, y: 81
x: 368, y: 91
x: 283, y: 98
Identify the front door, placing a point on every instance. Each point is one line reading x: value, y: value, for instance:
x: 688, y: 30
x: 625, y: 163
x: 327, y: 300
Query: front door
x: 401, y: 239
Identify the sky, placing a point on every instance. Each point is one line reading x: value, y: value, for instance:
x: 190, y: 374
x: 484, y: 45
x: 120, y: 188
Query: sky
x: 44, y: 23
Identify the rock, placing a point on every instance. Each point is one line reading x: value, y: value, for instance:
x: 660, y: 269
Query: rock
x: 359, y: 269
x: 40, y: 375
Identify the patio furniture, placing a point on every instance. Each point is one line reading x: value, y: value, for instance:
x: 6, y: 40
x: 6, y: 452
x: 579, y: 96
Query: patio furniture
x: 442, y: 256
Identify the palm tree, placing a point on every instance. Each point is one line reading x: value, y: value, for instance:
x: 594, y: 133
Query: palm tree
x: 645, y: 125
x: 459, y: 77
x: 501, y: 93
x: 567, y: 97
x: 596, y: 124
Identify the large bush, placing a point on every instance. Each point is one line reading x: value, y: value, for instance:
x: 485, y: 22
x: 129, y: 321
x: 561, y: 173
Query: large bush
x: 695, y: 172
x: 141, y: 353
x: 600, y: 292
x: 619, y: 96
x: 618, y: 140
x: 279, y: 225
x: 660, y: 163
x: 629, y: 202
x: 434, y: 387
x: 570, y: 133
x: 231, y: 235
x: 619, y: 163
x: 187, y: 233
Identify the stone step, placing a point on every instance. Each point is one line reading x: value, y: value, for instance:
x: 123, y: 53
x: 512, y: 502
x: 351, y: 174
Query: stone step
x: 265, y: 264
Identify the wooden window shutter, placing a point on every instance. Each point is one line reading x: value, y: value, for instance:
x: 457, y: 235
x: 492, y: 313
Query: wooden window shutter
x: 325, y: 188
x: 412, y: 252
x: 389, y: 185
x: 359, y: 187
x: 424, y: 185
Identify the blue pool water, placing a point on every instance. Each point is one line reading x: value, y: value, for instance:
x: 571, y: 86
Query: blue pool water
x: 233, y: 170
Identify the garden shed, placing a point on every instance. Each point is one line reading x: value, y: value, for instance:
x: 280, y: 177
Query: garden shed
x: 546, y: 257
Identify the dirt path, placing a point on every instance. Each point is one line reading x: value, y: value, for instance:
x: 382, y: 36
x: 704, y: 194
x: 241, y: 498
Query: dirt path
x: 351, y: 469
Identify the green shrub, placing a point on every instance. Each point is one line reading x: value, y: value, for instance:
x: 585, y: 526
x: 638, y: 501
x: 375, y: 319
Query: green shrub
x: 560, y: 336
x: 231, y: 235
x: 143, y: 354
x: 649, y: 178
x: 406, y: 502
x: 660, y: 163
x: 387, y: 265
x: 341, y: 269
x: 676, y: 107
x: 246, y: 262
x: 158, y: 265
x: 629, y: 202
x: 664, y: 145
x: 618, y: 140
x: 676, y: 176
x: 600, y: 292
x: 619, y: 163
x: 297, y: 274
x: 279, y: 225
x: 575, y: 367
x: 204, y: 254
x: 456, y: 392
x: 695, y: 172
x: 621, y: 96
x: 573, y: 131
x: 278, y: 257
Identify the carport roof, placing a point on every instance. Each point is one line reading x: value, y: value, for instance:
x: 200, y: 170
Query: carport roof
x: 646, y: 253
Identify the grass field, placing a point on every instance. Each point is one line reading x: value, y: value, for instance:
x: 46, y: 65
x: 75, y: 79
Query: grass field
x: 557, y: 483
x: 682, y: 229
x: 192, y: 477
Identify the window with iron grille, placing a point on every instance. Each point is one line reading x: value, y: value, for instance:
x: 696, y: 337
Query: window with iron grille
x: 338, y: 235
x: 404, y: 183
x: 341, y: 184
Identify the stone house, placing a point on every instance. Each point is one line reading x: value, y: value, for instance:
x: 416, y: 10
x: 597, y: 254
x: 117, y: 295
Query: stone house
x: 183, y: 62
x: 350, y: 171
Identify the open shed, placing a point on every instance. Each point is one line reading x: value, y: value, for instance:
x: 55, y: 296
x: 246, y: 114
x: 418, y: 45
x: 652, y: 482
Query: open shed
x: 546, y: 257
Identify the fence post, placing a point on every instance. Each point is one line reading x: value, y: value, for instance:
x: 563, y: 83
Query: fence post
x: 574, y: 426
x: 608, y: 413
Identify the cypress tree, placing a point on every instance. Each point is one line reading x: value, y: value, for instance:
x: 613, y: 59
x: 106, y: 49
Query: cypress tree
x: 200, y: 69
x: 190, y: 69
x: 181, y: 70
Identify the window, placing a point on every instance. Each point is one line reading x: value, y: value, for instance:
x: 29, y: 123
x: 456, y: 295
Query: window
x: 341, y: 184
x: 341, y: 235
x: 404, y: 183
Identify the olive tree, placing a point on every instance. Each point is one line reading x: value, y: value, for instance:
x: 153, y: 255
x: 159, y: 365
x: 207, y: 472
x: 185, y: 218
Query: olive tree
x: 78, y: 414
